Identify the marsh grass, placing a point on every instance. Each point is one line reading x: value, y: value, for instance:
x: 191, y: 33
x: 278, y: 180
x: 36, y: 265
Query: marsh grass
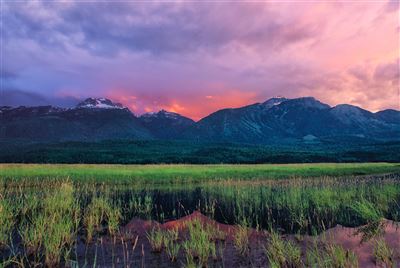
x: 33, y: 234
x: 172, y: 234
x: 7, y: 221
x: 366, y: 210
x: 62, y: 214
x: 171, y: 243
x: 54, y: 224
x: 341, y: 257
x: 98, y: 213
x: 156, y: 238
x: 113, y: 216
x: 57, y: 241
x: 94, y: 216
x: 241, y: 239
x: 383, y: 254
x: 372, y: 216
x: 326, y: 255
x: 282, y: 253
x: 142, y: 206
x: 216, y: 234
x: 190, y: 262
x: 47, y: 223
x: 172, y: 248
x: 199, y: 243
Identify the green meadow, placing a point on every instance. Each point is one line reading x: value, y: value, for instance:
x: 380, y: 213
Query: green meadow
x: 116, y: 174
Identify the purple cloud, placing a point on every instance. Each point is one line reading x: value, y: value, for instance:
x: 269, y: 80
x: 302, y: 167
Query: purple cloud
x: 160, y: 55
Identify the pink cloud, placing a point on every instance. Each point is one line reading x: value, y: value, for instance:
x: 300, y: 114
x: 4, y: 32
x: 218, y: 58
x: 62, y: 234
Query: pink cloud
x: 195, y: 58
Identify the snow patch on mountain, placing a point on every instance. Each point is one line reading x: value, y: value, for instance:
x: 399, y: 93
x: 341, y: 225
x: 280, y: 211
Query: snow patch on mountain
x: 274, y: 102
x: 161, y: 114
x: 99, y: 103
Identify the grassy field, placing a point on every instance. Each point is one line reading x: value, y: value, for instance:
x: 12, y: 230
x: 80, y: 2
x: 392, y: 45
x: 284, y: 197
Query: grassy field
x: 187, y: 173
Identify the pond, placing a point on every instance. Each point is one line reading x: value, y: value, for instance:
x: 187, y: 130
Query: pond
x: 291, y: 207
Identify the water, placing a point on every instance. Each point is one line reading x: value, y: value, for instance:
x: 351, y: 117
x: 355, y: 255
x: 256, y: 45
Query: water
x: 291, y: 208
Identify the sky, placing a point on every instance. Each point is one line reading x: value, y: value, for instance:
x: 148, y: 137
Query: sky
x: 194, y: 58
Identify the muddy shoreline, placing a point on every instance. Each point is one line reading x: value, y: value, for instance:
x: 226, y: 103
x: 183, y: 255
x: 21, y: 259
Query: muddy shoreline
x: 131, y: 248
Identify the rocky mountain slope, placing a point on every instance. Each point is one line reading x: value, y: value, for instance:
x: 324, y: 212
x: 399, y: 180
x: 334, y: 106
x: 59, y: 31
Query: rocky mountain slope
x: 278, y: 120
x: 88, y: 121
x: 166, y: 125
x: 282, y: 119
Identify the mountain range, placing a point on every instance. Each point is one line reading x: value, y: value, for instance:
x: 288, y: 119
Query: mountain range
x: 277, y: 120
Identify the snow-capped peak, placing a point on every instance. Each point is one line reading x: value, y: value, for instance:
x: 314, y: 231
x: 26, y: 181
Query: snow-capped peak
x: 274, y: 101
x: 162, y: 113
x: 169, y: 114
x: 99, y: 103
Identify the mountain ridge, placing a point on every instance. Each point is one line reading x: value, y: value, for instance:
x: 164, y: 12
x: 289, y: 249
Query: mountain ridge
x: 267, y: 103
x: 165, y: 125
x: 99, y: 103
x: 275, y: 120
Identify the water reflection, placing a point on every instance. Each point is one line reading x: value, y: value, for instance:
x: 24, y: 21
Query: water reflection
x: 298, y: 208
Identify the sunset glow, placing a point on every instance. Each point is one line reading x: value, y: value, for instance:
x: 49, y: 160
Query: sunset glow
x: 195, y: 58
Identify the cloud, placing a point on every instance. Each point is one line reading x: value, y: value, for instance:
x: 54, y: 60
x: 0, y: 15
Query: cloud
x: 157, y: 28
x: 7, y: 74
x: 389, y: 72
x: 156, y: 55
x: 371, y: 86
x: 16, y: 97
x: 392, y: 5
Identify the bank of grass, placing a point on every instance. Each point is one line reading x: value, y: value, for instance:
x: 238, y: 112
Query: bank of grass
x: 185, y: 173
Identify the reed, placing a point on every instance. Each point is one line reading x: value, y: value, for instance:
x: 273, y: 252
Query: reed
x: 199, y: 243
x: 99, y: 213
x: 156, y: 239
x: 282, y: 253
x: 7, y: 221
x: 172, y: 248
x: 241, y: 239
x: 330, y: 256
x: 383, y: 254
